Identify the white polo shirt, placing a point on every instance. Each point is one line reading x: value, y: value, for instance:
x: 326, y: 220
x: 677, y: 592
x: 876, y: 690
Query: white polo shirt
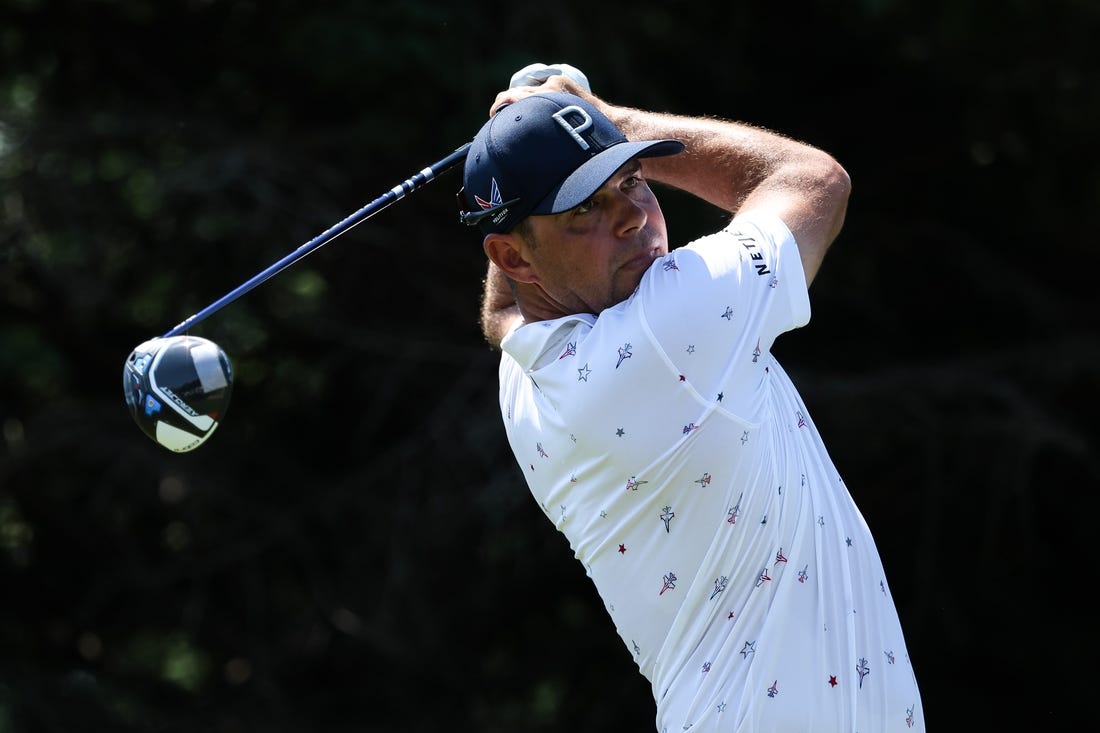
x: 669, y: 447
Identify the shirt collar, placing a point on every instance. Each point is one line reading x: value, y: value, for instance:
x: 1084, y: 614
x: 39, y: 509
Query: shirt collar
x: 529, y: 341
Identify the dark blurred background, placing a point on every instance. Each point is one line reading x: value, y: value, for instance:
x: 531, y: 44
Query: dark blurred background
x: 354, y: 549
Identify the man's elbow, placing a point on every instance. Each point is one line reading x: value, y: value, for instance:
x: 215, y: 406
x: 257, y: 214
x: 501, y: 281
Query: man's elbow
x: 836, y: 188
x: 828, y: 206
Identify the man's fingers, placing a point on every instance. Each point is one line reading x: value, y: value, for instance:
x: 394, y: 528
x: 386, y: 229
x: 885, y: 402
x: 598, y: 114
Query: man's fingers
x: 557, y: 83
x: 539, y: 78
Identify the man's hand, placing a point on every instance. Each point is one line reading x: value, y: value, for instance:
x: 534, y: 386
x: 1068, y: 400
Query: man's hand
x: 535, y: 74
x: 556, y: 83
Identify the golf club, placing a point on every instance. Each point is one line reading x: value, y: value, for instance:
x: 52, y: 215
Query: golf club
x: 177, y: 386
x: 389, y: 197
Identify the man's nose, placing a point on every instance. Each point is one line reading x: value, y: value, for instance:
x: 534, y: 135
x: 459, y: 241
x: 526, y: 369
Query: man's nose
x: 630, y: 214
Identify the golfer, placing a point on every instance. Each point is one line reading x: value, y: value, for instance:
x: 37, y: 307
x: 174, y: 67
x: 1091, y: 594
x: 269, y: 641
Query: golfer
x: 652, y: 423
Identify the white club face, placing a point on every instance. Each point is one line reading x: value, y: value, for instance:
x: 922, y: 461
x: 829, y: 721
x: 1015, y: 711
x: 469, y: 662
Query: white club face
x: 180, y: 441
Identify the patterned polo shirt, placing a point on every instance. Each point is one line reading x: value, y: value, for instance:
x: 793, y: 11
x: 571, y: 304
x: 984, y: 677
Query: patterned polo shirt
x: 675, y: 455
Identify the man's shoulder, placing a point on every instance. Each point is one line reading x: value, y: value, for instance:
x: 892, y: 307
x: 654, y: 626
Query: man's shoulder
x: 756, y: 224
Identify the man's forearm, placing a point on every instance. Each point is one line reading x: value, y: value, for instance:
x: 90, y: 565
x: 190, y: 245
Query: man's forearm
x: 738, y: 167
x: 738, y: 157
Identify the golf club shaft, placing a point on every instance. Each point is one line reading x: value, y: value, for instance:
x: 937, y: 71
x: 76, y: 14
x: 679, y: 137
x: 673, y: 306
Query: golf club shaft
x: 394, y: 194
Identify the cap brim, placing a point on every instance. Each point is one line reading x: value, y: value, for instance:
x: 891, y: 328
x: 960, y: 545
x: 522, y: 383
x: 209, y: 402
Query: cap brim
x: 586, y: 180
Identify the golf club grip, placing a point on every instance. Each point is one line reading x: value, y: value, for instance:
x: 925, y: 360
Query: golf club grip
x: 406, y: 187
x: 536, y: 74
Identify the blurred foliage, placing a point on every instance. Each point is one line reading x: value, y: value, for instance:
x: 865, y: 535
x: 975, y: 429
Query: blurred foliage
x: 354, y: 549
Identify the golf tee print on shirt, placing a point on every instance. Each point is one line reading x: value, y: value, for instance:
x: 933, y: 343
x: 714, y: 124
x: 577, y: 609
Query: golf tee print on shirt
x: 672, y: 451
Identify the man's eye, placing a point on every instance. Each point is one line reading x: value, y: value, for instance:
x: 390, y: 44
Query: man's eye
x: 585, y: 206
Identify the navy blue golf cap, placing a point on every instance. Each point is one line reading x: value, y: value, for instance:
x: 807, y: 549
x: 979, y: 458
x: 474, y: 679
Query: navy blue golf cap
x: 544, y: 154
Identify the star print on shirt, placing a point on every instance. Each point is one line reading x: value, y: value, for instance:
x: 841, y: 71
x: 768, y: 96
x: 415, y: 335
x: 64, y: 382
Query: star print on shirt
x: 622, y: 549
x: 620, y: 432
x: 582, y: 373
x: 749, y: 648
x: 832, y: 680
x: 691, y: 349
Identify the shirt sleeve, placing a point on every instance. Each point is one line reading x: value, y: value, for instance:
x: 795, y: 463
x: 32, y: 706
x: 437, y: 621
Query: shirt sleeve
x: 725, y: 297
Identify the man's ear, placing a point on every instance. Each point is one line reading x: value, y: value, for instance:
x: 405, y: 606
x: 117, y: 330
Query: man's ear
x: 506, y: 252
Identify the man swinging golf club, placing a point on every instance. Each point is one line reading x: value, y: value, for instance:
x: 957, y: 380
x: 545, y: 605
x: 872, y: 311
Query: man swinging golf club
x: 652, y: 423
